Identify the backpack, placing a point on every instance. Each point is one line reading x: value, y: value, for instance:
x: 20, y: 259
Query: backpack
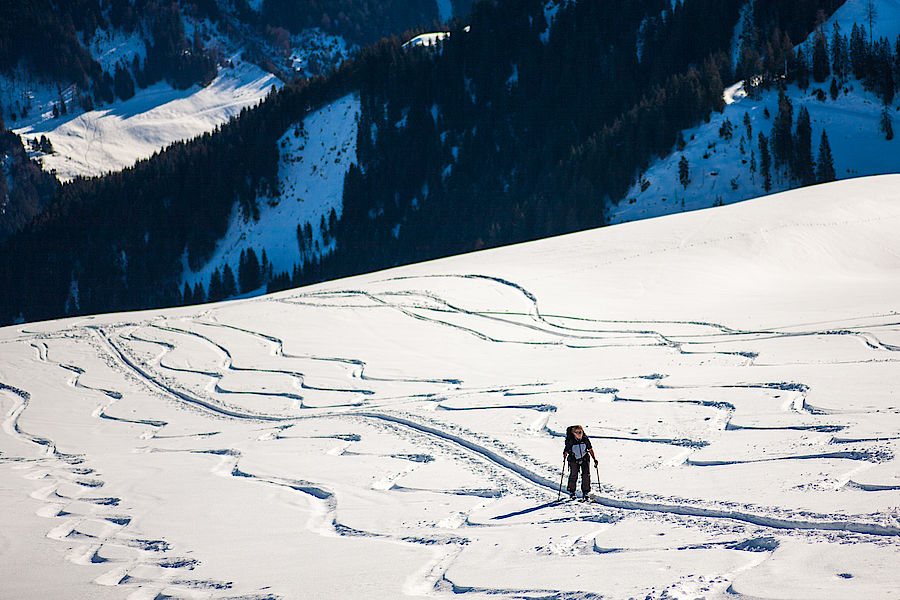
x: 572, y: 440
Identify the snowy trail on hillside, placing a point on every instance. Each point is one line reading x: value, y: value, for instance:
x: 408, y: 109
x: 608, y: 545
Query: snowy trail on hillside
x: 410, y: 424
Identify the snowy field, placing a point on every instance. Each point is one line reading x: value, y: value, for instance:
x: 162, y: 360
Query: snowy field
x: 401, y: 432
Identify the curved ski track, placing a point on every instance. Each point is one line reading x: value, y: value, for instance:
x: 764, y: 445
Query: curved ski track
x: 97, y: 526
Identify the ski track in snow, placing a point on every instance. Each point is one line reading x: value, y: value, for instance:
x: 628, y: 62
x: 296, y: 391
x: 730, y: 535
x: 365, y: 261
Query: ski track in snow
x: 148, y: 352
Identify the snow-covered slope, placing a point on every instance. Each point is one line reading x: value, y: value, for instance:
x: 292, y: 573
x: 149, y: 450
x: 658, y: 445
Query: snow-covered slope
x: 885, y: 22
x: 115, y: 136
x: 720, y: 171
x: 315, y: 156
x: 400, y: 432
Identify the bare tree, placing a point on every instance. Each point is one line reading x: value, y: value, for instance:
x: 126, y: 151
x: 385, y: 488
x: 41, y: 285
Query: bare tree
x: 871, y: 12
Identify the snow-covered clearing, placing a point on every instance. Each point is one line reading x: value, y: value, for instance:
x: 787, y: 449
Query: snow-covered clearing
x: 113, y: 137
x: 314, y: 157
x: 400, y: 432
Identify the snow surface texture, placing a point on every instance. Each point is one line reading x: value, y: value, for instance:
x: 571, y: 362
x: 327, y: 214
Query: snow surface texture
x: 115, y: 136
x: 401, y: 432
x: 314, y: 157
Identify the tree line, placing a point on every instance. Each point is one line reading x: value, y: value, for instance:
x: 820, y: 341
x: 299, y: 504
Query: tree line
x: 513, y: 129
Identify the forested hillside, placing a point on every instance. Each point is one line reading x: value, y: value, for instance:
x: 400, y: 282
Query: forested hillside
x: 526, y: 122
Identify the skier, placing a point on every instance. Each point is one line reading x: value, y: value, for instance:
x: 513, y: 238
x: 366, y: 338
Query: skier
x: 577, y: 449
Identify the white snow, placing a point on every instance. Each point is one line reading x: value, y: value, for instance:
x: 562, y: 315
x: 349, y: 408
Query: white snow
x: 852, y: 123
x: 720, y: 172
x: 400, y: 432
x: 427, y: 39
x: 314, y: 157
x: 116, y: 136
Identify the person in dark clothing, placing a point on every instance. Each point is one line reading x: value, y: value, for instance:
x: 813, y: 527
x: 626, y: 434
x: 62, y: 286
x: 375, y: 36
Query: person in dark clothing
x: 578, y: 448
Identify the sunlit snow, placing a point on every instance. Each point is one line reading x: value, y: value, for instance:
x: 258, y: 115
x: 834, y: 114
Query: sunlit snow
x: 113, y: 137
x: 401, y: 432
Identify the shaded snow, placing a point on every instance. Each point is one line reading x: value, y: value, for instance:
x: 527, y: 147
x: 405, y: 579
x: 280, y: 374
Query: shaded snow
x: 886, y: 24
x: 113, y: 47
x: 445, y: 10
x: 717, y: 167
x: 852, y: 122
x: 314, y: 157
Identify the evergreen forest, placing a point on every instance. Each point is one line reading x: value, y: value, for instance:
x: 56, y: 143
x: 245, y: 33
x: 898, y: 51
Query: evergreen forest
x: 512, y: 130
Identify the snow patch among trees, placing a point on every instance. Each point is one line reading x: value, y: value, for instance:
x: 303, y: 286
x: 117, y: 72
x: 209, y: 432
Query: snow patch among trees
x: 294, y: 225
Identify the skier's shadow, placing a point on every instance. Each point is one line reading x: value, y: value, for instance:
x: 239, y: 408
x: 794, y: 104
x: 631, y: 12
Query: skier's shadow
x: 525, y: 511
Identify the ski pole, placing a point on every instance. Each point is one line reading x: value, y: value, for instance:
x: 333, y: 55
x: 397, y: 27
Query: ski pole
x: 597, y: 469
x: 562, y: 474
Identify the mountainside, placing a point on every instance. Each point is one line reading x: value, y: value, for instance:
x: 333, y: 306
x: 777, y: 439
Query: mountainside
x: 525, y: 120
x: 400, y: 432
x: 722, y: 156
x: 92, y: 87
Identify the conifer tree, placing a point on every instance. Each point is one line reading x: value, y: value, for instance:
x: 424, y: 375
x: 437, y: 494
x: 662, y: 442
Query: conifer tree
x: 726, y: 131
x: 803, y: 161
x: 824, y: 162
x: 782, y: 140
x: 839, y: 58
x: 765, y: 162
x: 265, y: 268
x: 882, y: 74
x: 820, y: 68
x: 216, y: 291
x: 229, y: 286
x: 802, y: 70
x: 248, y: 271
x: 870, y: 10
x: 859, y: 51
x: 684, y: 175
x: 886, y: 124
